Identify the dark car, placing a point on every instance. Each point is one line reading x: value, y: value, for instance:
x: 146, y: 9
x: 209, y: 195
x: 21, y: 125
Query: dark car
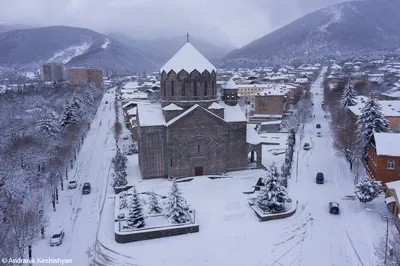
x: 86, y: 188
x: 318, y: 126
x: 334, y: 207
x: 306, y: 146
x: 320, y: 178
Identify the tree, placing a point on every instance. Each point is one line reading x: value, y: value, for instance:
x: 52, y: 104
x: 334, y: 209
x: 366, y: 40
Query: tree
x: 391, y: 253
x: 304, y: 112
x: 47, y: 124
x: 68, y: 116
x: 176, y: 206
x: 154, y: 205
x: 285, y: 174
x: 367, y: 190
x: 371, y: 120
x: 348, y: 96
x: 123, y: 202
x: 135, y: 216
x: 119, y: 162
x: 273, y: 196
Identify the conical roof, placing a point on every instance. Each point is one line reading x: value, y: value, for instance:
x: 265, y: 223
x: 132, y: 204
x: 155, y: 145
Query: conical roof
x: 188, y: 58
x: 231, y: 85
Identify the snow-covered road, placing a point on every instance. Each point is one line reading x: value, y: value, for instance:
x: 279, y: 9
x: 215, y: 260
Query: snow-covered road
x: 79, y: 215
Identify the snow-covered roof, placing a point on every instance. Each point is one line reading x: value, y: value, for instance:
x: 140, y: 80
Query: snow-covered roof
x: 387, y: 144
x: 215, y: 106
x: 132, y: 111
x: 131, y: 85
x: 150, y: 115
x: 273, y: 92
x: 233, y: 113
x: 394, y: 92
x: 390, y: 199
x: 188, y: 58
x: 173, y: 120
x: 389, y: 108
x: 275, y: 122
x: 252, y: 136
x: 231, y: 85
x: 394, y: 185
x: 172, y: 107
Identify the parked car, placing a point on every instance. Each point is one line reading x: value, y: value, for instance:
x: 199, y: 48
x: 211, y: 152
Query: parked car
x: 57, y: 239
x: 306, y: 146
x: 319, y: 134
x: 320, y: 178
x: 106, y: 102
x: 334, y: 207
x: 318, y: 126
x: 72, y: 184
x: 126, y: 137
x: 86, y: 188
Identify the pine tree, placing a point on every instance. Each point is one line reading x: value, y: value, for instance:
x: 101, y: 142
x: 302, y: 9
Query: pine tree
x: 285, y: 174
x: 367, y: 190
x: 119, y: 162
x: 47, y: 124
x: 371, y: 120
x: 348, y: 96
x: 154, y: 205
x: 68, y: 116
x: 176, y: 206
x: 273, y: 196
x: 135, y: 216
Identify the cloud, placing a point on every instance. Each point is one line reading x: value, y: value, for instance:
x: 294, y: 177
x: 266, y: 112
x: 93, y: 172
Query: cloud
x: 236, y: 22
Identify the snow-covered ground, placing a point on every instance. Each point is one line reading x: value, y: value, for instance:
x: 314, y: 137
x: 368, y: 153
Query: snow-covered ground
x: 230, y: 233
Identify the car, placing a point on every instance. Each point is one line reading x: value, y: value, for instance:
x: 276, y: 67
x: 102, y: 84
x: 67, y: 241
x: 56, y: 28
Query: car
x: 334, y: 208
x: 320, y: 178
x: 318, y: 126
x: 106, y: 102
x: 319, y: 134
x: 72, y: 184
x: 86, y: 188
x: 57, y: 239
x: 306, y: 146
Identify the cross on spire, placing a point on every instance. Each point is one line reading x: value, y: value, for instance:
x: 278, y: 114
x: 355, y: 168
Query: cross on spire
x: 187, y: 37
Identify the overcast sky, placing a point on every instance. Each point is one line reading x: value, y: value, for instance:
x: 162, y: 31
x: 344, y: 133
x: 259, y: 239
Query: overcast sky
x: 225, y: 21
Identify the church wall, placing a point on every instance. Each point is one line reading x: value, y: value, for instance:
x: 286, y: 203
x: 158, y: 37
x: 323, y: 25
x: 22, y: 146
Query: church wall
x: 237, y: 147
x: 218, y: 112
x: 152, y: 143
x: 197, y: 140
x: 168, y: 115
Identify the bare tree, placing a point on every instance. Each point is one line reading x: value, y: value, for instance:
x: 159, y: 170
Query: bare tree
x: 388, y: 249
x: 304, y: 112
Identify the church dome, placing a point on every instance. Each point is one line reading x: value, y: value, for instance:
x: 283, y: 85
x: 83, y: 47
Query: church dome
x: 231, y: 85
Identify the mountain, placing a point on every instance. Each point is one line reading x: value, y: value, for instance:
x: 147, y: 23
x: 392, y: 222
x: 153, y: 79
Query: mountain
x: 161, y: 50
x: 8, y: 27
x: 71, y: 46
x: 342, y: 29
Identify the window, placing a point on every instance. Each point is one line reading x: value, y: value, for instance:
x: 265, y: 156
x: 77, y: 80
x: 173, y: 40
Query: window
x: 194, y: 88
x: 171, y: 162
x: 172, y: 88
x: 390, y: 164
x: 183, y: 88
x: 205, y: 88
x: 165, y: 89
x: 198, y: 148
x: 213, y: 88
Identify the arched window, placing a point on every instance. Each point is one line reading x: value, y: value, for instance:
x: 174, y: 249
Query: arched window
x: 183, y: 87
x: 172, y: 88
x: 198, y: 148
x: 164, y: 87
x: 194, y: 88
x: 390, y: 164
x: 213, y: 88
x: 205, y: 88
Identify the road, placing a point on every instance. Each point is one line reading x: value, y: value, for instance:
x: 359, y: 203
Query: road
x: 79, y: 215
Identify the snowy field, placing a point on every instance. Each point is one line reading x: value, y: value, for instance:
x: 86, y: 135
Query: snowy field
x: 230, y: 233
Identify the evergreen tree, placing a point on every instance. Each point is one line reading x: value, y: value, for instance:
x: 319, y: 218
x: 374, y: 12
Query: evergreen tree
x: 176, y: 206
x: 154, y: 205
x: 123, y: 202
x: 119, y: 162
x: 273, y: 196
x: 285, y: 174
x: 68, y: 116
x: 348, y: 96
x: 371, y: 120
x: 47, y: 124
x: 367, y: 190
x: 135, y: 216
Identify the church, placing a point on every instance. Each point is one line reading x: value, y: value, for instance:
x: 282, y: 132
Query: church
x: 190, y: 132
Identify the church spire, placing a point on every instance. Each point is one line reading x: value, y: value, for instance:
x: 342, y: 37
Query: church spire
x: 187, y: 37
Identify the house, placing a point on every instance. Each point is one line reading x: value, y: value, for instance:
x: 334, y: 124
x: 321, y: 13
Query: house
x: 392, y: 200
x: 383, y: 159
x: 391, y: 94
x: 272, y: 101
x: 378, y: 78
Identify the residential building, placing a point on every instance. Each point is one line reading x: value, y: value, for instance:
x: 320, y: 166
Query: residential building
x: 392, y: 200
x: 51, y: 72
x: 383, y: 160
x: 272, y: 101
x: 82, y: 75
x: 191, y: 133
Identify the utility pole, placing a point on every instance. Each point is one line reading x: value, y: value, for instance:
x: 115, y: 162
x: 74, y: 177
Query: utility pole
x: 386, y: 218
x: 297, y: 166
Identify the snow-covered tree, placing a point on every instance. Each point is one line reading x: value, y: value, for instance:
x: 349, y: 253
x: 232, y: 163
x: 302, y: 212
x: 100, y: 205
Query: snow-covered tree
x: 367, y: 190
x: 285, y: 174
x: 273, y: 196
x: 348, y: 96
x: 154, y: 205
x: 176, y: 206
x: 123, y: 202
x: 135, y: 216
x: 119, y: 162
x: 47, y: 124
x: 371, y: 120
x: 388, y: 251
x: 68, y: 116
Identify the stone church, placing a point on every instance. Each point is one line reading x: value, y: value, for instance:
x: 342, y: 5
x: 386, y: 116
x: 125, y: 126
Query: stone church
x: 191, y: 133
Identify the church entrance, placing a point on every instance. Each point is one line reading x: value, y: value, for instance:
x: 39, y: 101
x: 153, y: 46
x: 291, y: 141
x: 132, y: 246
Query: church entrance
x: 198, y: 171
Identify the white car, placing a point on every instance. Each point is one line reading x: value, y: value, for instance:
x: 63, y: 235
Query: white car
x: 72, y: 184
x: 57, y: 239
x: 319, y: 134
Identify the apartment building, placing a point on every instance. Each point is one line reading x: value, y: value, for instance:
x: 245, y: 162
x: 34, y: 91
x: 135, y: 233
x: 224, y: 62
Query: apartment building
x: 51, y: 72
x: 82, y: 75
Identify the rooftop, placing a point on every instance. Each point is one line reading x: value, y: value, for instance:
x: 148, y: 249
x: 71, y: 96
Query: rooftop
x: 215, y: 106
x: 389, y: 108
x: 394, y: 185
x: 231, y: 85
x: 150, y: 115
x: 387, y: 144
x: 252, y: 136
x: 188, y: 58
x: 233, y: 113
x: 172, y: 107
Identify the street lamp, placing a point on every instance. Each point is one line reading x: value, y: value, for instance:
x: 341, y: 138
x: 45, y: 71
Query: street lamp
x: 386, y: 217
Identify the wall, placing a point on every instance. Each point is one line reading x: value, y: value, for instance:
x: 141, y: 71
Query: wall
x: 377, y: 167
x: 272, y: 105
x: 237, y: 147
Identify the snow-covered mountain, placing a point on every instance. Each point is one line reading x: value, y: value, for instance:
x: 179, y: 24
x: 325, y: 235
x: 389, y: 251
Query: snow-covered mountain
x: 341, y: 29
x: 71, y: 46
